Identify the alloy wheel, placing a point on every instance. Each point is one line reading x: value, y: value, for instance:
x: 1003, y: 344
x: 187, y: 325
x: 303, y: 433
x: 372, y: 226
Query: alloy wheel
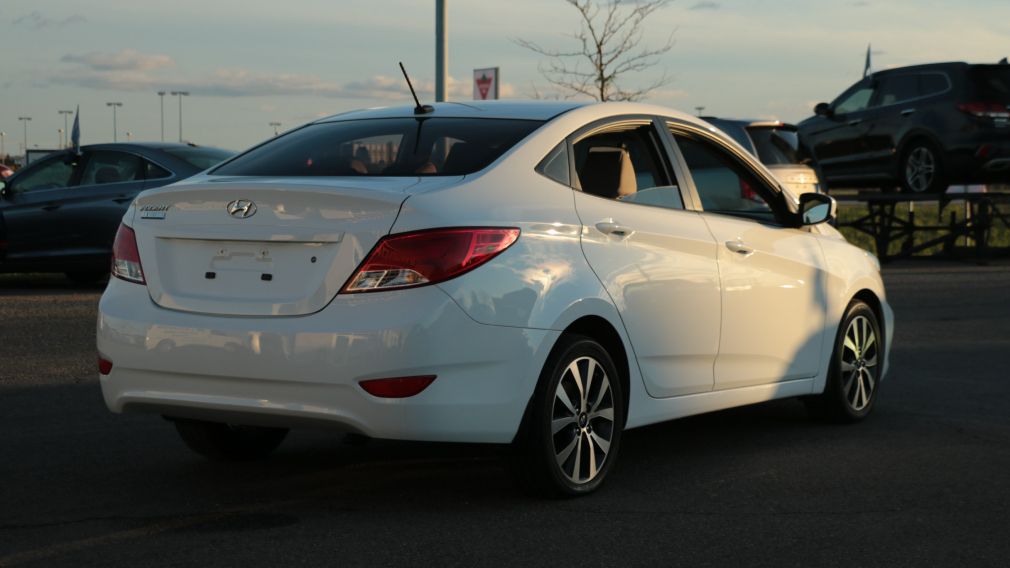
x: 859, y: 363
x: 582, y: 420
x: 920, y: 169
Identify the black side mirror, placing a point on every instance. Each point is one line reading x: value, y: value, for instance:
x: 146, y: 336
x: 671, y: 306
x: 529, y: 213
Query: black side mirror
x: 824, y: 109
x: 816, y: 208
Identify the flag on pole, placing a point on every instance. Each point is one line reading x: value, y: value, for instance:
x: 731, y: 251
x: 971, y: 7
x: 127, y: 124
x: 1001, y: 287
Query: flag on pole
x: 866, y: 67
x: 75, y: 133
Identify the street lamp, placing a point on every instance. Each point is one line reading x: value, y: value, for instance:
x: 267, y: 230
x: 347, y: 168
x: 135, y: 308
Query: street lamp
x: 129, y: 136
x: 161, y: 95
x: 700, y: 109
x: 276, y: 125
x: 66, y: 114
x: 60, y: 132
x: 114, y: 106
x: 26, y: 120
x: 3, y: 154
x: 180, y: 94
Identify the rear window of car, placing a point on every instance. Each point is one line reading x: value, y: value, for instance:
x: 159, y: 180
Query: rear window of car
x: 777, y: 146
x: 991, y: 82
x: 201, y: 158
x: 399, y: 147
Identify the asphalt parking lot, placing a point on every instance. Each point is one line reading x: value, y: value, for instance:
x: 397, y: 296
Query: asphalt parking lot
x: 924, y: 482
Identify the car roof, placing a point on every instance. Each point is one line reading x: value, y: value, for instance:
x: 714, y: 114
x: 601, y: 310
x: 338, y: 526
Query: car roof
x: 520, y: 110
x: 138, y: 146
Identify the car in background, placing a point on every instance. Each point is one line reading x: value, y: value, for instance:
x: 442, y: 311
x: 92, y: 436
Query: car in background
x: 5, y: 171
x: 776, y: 144
x: 60, y: 213
x: 542, y: 274
x: 922, y: 128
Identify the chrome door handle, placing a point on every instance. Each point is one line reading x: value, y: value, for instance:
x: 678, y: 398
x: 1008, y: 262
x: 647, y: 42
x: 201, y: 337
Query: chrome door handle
x: 855, y: 122
x: 612, y: 228
x: 908, y: 112
x: 739, y: 247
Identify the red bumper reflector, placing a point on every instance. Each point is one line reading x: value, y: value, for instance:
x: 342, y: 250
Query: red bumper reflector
x: 104, y: 365
x: 397, y: 387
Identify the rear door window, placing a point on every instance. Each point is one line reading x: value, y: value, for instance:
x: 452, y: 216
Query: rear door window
x: 895, y: 89
x: 625, y: 163
x: 399, y: 147
x: 112, y: 167
x: 933, y: 84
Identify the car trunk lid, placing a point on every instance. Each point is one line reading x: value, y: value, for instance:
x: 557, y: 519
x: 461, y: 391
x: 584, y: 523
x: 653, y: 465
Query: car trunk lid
x: 261, y: 247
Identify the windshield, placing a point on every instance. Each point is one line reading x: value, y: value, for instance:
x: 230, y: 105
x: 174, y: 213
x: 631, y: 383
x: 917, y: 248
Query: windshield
x: 777, y: 146
x: 201, y: 158
x: 425, y: 146
x: 991, y: 82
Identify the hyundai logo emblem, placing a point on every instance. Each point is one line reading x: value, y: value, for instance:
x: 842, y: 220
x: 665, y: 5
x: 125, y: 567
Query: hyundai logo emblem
x: 242, y: 208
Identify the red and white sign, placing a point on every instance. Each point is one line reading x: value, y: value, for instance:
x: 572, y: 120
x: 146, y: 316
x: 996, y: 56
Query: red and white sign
x: 485, y: 84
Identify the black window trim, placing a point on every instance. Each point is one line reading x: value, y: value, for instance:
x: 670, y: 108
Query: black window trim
x: 784, y: 206
x: 671, y: 168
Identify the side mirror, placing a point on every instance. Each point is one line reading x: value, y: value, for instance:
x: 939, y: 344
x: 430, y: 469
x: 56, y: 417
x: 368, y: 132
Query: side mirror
x: 816, y: 208
x: 824, y: 109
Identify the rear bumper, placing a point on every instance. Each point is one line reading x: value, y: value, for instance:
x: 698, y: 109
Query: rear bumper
x: 286, y: 371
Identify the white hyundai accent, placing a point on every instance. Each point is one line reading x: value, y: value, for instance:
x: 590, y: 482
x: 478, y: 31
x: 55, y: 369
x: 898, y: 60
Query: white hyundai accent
x: 544, y: 275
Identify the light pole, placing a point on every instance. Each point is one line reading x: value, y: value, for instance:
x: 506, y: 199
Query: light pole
x: 180, y: 94
x: 700, y: 109
x: 66, y: 114
x: 441, y: 50
x: 276, y: 125
x: 129, y: 136
x: 26, y: 120
x: 60, y: 132
x: 3, y: 154
x: 114, y: 106
x: 161, y: 96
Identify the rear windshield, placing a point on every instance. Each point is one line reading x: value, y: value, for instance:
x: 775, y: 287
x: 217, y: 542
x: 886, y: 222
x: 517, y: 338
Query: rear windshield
x: 777, y: 146
x: 201, y: 158
x: 991, y: 82
x: 423, y: 146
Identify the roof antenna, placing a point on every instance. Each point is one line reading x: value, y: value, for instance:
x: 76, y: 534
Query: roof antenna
x: 419, y: 109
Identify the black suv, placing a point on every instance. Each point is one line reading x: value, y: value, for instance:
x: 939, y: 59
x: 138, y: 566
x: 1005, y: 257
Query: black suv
x: 921, y: 128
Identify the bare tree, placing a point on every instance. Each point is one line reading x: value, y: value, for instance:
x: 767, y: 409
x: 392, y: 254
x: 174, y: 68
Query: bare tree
x: 609, y: 48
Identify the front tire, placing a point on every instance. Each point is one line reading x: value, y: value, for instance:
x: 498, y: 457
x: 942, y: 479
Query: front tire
x: 856, y: 366
x: 570, y: 439
x: 228, y: 442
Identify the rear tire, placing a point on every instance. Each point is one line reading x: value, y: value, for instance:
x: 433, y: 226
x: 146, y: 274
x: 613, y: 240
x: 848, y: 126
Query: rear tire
x: 218, y: 441
x: 855, y: 372
x: 570, y: 438
x: 921, y: 169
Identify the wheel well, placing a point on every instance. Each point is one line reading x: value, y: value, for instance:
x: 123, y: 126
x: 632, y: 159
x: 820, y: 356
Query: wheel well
x: 919, y: 137
x: 873, y: 301
x: 600, y: 330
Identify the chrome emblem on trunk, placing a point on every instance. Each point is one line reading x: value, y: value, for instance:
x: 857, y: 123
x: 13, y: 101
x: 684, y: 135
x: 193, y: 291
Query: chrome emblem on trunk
x: 242, y: 208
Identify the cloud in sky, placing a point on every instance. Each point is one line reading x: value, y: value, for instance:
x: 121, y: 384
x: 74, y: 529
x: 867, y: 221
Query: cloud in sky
x: 125, y: 60
x: 38, y: 21
x: 131, y: 70
x: 706, y: 5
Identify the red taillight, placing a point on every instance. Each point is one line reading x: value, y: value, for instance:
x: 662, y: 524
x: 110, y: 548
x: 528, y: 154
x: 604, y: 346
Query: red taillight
x: 985, y: 110
x: 427, y: 257
x: 397, y: 387
x: 104, y: 365
x: 126, y: 257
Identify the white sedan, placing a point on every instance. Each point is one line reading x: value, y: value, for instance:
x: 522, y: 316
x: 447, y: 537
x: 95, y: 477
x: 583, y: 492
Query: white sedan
x: 544, y: 275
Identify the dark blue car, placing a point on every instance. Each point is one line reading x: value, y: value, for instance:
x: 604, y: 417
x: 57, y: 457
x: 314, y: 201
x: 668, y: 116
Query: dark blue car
x: 61, y: 213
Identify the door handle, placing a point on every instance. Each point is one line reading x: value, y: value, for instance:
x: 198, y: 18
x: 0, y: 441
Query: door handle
x: 908, y: 112
x: 612, y: 228
x: 50, y: 206
x: 855, y: 122
x: 739, y: 247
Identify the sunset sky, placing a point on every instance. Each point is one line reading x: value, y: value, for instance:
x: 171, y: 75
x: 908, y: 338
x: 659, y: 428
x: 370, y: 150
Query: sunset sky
x: 251, y: 62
